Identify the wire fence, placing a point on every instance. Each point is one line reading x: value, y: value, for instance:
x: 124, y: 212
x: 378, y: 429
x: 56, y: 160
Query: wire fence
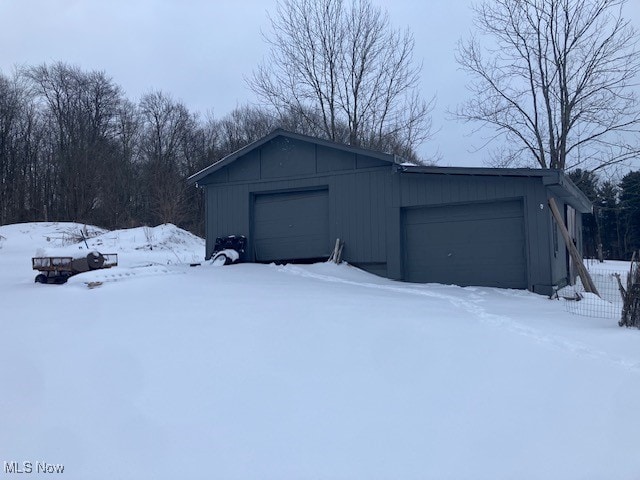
x: 609, y: 304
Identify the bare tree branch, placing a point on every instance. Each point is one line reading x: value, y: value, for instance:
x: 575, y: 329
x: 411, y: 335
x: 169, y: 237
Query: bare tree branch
x: 342, y: 67
x: 557, y: 77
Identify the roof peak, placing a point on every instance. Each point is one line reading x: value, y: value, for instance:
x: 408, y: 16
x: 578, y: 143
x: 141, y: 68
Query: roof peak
x: 281, y: 132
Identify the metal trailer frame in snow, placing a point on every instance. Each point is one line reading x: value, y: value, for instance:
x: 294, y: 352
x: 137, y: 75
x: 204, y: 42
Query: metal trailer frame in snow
x: 292, y: 196
x: 57, y: 270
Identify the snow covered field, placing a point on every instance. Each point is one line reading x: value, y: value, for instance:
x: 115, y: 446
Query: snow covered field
x: 168, y: 371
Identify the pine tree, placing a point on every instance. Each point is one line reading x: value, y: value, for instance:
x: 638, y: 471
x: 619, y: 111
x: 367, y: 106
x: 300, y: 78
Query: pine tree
x: 608, y: 218
x: 630, y: 212
x: 587, y: 182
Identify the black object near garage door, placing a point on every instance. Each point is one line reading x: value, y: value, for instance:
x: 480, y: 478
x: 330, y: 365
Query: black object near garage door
x: 466, y: 244
x: 291, y: 225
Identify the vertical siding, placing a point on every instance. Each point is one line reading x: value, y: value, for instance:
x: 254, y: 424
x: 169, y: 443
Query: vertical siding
x: 365, y: 205
x: 350, y: 212
x: 365, y: 208
x: 338, y: 225
x: 393, y: 234
x: 559, y: 261
x: 357, y: 206
x: 227, y: 212
x: 211, y: 225
x: 539, y: 238
x: 283, y: 157
x: 334, y: 228
x: 359, y: 215
x: 379, y: 215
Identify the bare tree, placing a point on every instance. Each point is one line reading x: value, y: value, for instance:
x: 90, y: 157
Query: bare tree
x: 242, y: 126
x: 342, y: 67
x: 167, y: 126
x: 118, y: 189
x: 80, y: 109
x: 12, y: 105
x: 554, y: 80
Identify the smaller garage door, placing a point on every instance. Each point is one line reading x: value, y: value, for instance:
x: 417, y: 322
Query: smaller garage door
x: 291, y: 225
x: 471, y: 244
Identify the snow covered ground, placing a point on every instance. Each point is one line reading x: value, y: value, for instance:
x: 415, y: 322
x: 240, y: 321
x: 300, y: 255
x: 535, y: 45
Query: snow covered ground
x: 300, y: 372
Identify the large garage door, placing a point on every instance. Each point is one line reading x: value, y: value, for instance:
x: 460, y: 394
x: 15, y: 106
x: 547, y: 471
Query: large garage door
x: 291, y: 226
x: 472, y: 244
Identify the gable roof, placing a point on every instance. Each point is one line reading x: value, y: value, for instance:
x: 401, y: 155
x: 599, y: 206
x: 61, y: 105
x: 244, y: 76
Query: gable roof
x: 279, y: 132
x: 555, y: 180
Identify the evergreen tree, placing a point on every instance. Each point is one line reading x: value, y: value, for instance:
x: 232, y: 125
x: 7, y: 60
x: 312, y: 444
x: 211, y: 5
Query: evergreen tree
x: 587, y: 182
x: 630, y: 212
x: 607, y: 209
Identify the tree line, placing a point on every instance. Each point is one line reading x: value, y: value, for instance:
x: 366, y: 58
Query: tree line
x: 612, y: 231
x: 73, y: 147
x: 556, y: 82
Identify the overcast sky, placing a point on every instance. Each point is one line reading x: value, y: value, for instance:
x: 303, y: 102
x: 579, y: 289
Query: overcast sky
x: 200, y: 51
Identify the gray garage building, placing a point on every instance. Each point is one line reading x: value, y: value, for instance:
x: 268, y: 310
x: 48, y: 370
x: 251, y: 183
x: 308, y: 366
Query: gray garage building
x: 292, y: 195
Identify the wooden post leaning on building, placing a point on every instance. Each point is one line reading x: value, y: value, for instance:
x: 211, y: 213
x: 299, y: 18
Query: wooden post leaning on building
x: 336, y: 255
x: 587, y: 281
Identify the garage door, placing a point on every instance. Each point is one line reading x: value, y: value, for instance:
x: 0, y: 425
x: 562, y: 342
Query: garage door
x: 291, y: 225
x: 471, y: 244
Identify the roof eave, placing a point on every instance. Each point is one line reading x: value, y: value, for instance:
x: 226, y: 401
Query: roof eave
x: 498, y: 172
x: 574, y: 196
